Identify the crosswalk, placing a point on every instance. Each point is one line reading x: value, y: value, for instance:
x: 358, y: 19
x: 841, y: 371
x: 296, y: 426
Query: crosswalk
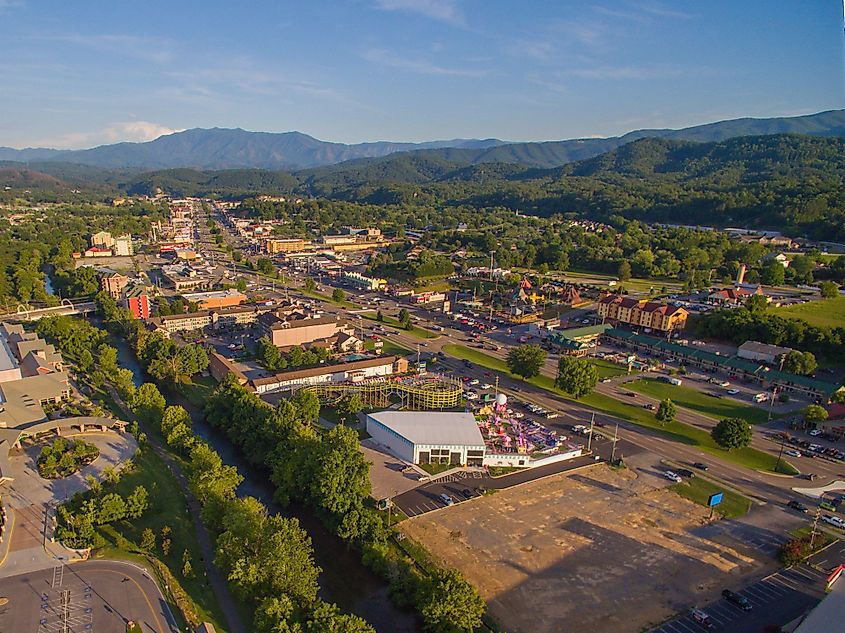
x: 762, y: 593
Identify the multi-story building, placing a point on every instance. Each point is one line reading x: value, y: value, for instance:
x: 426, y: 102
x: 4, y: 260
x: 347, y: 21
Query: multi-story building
x: 274, y: 246
x: 137, y: 301
x: 114, y: 284
x: 285, y: 331
x: 102, y: 240
x: 123, y: 246
x: 642, y: 313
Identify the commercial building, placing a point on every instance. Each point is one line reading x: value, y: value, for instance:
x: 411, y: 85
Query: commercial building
x: 289, y: 245
x: 114, y: 284
x: 752, y: 350
x: 735, y: 296
x: 424, y: 437
x: 642, y: 313
x: 835, y: 423
x: 577, y: 341
x: 216, y: 299
x: 358, y: 280
x: 331, y: 374
x: 224, y: 317
x: 289, y: 330
x: 739, y: 368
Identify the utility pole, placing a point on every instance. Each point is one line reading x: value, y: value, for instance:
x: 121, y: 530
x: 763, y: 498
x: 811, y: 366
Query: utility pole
x: 615, y: 438
x: 772, y: 402
x: 815, y: 525
x: 780, y: 453
x: 590, y: 439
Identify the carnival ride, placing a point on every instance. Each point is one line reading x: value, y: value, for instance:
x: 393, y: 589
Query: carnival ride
x: 430, y: 391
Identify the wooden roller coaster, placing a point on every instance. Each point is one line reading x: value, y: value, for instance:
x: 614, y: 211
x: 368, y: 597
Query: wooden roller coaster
x: 431, y: 391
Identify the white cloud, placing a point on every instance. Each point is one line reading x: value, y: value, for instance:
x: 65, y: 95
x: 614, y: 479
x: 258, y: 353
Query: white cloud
x: 626, y: 72
x: 121, y: 131
x: 442, y: 10
x: 153, y: 50
x: 386, y: 58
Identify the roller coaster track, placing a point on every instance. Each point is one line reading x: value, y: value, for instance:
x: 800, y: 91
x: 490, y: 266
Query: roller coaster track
x: 431, y: 391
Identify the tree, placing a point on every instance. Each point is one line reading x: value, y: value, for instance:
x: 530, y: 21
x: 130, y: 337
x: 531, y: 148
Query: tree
x: 148, y: 540
x: 327, y: 618
x: 379, y: 316
x: 338, y: 295
x: 829, y: 289
x: 137, y: 502
x: 348, y: 405
x: 526, y: 360
x: 803, y: 363
x: 815, y: 413
x: 773, y: 274
x: 578, y: 377
x: 731, y: 433
x: 166, y: 532
x: 148, y: 403
x: 450, y: 603
x: 624, y: 271
x: 309, y: 285
x: 404, y: 318
x: 187, y: 568
x: 111, y: 507
x: 756, y: 304
x: 265, y: 266
x: 666, y: 412
x: 838, y: 397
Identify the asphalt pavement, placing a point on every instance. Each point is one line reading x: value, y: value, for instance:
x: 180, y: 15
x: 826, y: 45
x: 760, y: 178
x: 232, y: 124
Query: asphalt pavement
x: 775, y: 600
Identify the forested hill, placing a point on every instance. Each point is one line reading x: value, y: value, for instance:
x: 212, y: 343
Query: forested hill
x: 220, y: 148
x: 786, y: 182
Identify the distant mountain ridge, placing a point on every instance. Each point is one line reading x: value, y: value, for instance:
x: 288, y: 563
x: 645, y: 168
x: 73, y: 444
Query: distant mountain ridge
x: 223, y: 148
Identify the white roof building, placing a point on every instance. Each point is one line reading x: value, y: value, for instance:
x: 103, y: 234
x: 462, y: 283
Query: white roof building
x: 423, y: 437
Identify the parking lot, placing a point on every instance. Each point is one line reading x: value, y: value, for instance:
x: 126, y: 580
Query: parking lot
x: 599, y: 550
x: 775, y: 600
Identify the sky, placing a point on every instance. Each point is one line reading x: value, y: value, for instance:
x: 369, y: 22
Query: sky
x: 81, y: 73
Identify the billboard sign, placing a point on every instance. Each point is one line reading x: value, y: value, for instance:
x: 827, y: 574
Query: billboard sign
x: 715, y: 499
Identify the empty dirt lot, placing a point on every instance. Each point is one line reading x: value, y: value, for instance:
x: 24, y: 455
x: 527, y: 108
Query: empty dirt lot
x: 598, y: 550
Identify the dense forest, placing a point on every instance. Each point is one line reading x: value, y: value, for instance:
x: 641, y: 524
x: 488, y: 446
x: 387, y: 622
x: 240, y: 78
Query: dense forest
x: 785, y: 182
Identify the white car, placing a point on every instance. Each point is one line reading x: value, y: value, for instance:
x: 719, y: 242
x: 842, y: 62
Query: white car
x: 835, y: 521
x: 605, y: 380
x: 733, y: 392
x: 474, y: 381
x: 792, y: 453
x: 814, y: 432
x: 486, y: 385
x: 673, y: 476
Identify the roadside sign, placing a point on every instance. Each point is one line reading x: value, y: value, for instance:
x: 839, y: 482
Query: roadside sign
x: 715, y: 499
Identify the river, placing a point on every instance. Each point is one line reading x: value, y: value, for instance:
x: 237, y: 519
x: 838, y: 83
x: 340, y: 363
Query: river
x: 344, y: 579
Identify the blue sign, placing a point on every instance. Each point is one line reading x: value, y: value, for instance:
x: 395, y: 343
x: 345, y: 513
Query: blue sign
x: 715, y: 499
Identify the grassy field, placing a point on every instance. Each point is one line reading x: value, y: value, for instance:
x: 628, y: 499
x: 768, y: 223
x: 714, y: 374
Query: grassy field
x: 677, y: 431
x: 699, y: 401
x: 198, y: 391
x: 824, y: 312
x: 699, y: 490
x: 389, y: 348
x: 324, y: 297
x: 167, y: 507
x: 417, y: 331
x: 610, y: 370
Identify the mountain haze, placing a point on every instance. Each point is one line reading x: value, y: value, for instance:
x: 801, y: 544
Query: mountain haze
x: 220, y: 148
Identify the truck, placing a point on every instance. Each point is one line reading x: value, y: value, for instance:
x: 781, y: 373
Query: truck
x: 675, y: 381
x: 761, y: 397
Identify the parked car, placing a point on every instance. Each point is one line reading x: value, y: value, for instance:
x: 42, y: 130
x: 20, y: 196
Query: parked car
x: 834, y: 521
x: 701, y: 618
x: 605, y: 380
x: 447, y: 499
x: 797, y: 505
x: 736, y: 599
x: 814, y: 432
x: 672, y: 476
x: 700, y: 466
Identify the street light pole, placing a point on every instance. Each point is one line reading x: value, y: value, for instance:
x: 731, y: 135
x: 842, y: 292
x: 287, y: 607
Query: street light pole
x: 590, y: 439
x: 615, y: 438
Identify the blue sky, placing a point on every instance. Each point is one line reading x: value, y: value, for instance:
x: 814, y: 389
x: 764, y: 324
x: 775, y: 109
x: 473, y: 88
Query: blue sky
x: 82, y: 73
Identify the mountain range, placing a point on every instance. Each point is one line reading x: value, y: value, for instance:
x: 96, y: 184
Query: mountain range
x: 220, y: 148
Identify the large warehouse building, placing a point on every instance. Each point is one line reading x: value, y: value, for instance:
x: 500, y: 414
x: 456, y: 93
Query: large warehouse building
x: 422, y: 437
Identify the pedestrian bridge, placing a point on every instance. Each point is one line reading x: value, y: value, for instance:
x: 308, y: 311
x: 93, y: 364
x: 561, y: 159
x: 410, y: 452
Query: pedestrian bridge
x: 24, y: 313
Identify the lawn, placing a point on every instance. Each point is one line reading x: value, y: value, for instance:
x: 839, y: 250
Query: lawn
x: 824, y: 312
x: 677, y: 431
x: 389, y: 348
x: 167, y: 507
x: 416, y: 330
x: 436, y: 469
x: 699, y: 401
x: 610, y: 370
x: 699, y: 490
x: 198, y: 391
x: 324, y: 297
